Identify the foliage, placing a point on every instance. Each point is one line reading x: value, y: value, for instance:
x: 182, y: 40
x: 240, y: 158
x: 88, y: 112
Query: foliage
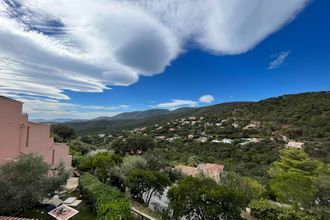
x: 292, y: 178
x: 131, y: 163
x: 294, y: 188
x: 144, y: 182
x: 267, y: 210
x: 321, y: 182
x: 99, y: 163
x: 249, y: 188
x: 200, y: 198
x: 107, y: 202
x: 134, y: 144
x: 26, y: 181
x: 301, y: 181
x: 295, y: 160
x: 78, y: 149
x: 155, y: 161
x: 252, y: 159
x: 62, y: 132
x: 117, y: 174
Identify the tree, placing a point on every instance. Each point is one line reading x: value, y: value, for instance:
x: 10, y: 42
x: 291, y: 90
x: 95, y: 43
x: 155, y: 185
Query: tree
x: 26, y: 181
x: 248, y: 187
x: 268, y: 210
x: 295, y: 160
x: 62, y: 132
x: 118, y: 173
x: 144, y: 182
x: 202, y: 198
x: 321, y: 182
x: 134, y: 144
x: 291, y: 178
x: 99, y: 163
x: 131, y: 163
x: 294, y: 188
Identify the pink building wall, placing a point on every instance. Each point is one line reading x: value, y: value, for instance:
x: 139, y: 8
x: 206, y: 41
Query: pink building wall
x: 19, y: 136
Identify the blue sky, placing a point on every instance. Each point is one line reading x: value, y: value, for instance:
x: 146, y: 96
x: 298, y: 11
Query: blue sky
x: 287, y: 58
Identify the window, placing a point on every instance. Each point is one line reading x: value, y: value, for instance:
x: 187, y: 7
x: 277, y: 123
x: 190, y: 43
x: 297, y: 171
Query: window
x: 27, y: 136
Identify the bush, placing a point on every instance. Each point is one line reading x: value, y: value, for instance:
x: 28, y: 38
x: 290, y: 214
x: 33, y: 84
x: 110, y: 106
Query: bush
x: 108, y: 203
x: 26, y: 181
x: 266, y: 210
x: 99, y: 163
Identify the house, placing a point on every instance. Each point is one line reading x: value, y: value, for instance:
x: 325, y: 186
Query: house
x: 252, y: 125
x: 227, y: 141
x: 215, y: 141
x: 210, y: 170
x: 295, y: 144
x: 201, y: 139
x: 190, y: 136
x: 19, y: 136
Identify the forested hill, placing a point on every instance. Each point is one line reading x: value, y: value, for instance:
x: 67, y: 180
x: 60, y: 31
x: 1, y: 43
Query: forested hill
x: 305, y: 115
x: 132, y: 120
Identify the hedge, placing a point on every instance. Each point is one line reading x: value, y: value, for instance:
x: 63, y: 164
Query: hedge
x: 108, y: 203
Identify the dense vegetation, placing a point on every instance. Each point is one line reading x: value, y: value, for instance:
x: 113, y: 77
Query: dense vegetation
x: 26, y: 181
x: 108, y: 202
x: 250, y: 139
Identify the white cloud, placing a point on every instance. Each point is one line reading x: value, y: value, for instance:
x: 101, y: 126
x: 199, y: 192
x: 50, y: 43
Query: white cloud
x: 47, y: 47
x: 206, y: 99
x: 53, y: 109
x: 177, y: 103
x: 278, y: 59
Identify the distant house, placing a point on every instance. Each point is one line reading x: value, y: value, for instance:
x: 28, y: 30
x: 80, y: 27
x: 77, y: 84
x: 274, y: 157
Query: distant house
x: 160, y: 137
x: 190, y: 136
x: 252, y: 125
x: 295, y: 144
x: 215, y: 141
x: 19, y: 136
x: 227, y: 141
x: 171, y: 139
x: 210, y: 170
x: 101, y: 135
x: 235, y: 125
x: 201, y: 139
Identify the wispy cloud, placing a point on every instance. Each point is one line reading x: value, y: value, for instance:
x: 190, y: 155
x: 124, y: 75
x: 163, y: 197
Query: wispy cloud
x: 54, y: 109
x: 206, y: 99
x: 278, y: 59
x: 47, y: 47
x: 177, y: 103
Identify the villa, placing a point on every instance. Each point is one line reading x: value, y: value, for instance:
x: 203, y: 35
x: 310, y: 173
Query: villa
x: 295, y: 144
x: 210, y: 170
x: 19, y: 136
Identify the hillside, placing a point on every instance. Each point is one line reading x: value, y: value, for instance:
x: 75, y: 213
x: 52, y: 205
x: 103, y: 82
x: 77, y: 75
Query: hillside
x: 244, y: 136
x: 130, y: 120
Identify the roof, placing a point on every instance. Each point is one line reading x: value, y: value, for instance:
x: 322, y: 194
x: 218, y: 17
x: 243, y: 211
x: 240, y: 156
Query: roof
x: 9, y: 99
x: 187, y: 170
x: 209, y: 169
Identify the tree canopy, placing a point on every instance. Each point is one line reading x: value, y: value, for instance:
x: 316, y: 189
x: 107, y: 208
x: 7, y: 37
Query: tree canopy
x: 202, y: 198
x: 26, y: 181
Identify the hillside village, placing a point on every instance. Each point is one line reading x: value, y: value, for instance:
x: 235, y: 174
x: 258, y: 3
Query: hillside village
x: 207, y: 129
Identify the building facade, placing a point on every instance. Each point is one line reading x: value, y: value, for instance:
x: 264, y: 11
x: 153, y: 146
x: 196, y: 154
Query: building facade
x: 19, y: 136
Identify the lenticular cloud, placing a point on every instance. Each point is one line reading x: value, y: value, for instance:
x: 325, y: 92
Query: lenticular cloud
x: 47, y: 47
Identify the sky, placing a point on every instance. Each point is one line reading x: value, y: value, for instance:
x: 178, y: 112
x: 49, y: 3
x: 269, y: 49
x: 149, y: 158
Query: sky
x: 83, y: 59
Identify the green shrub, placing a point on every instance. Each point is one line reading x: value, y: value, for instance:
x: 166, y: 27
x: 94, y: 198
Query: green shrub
x: 108, y: 203
x: 266, y: 210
